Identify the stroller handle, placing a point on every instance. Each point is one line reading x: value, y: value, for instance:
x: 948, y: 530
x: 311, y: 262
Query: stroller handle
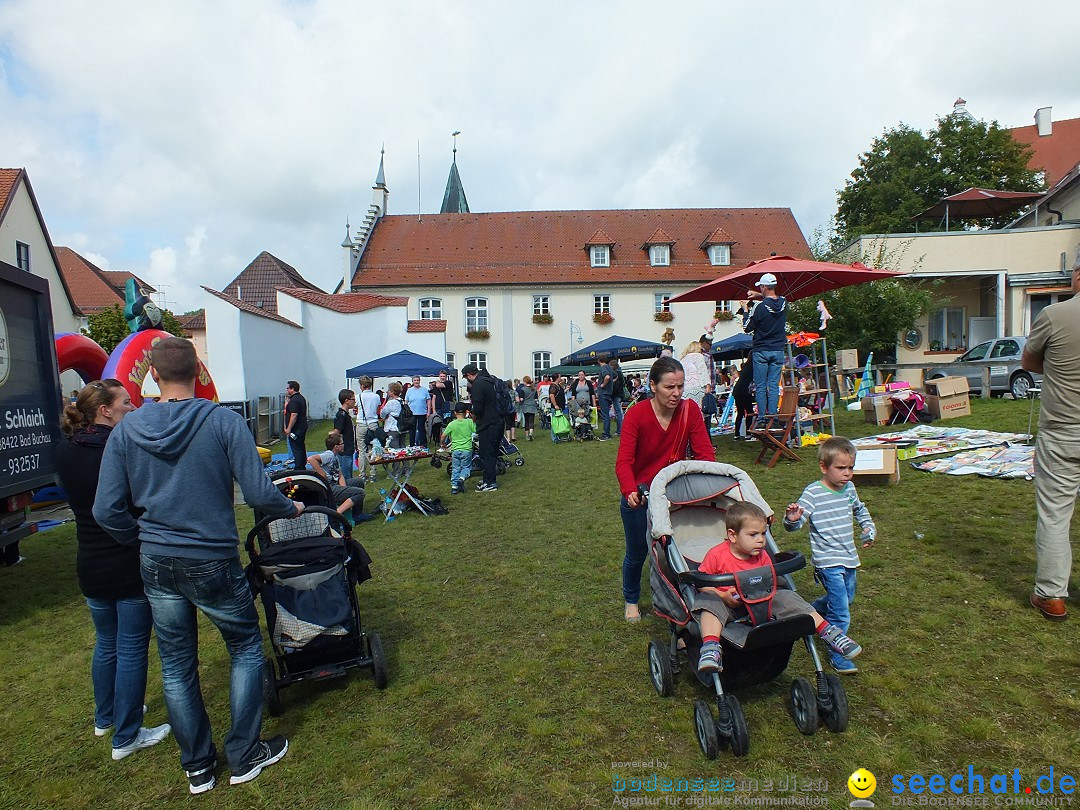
x: 783, y: 563
x: 308, y: 510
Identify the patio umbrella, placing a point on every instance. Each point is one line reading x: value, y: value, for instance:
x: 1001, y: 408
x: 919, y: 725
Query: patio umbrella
x: 797, y: 278
x: 732, y: 347
x: 615, y: 346
x: 977, y: 203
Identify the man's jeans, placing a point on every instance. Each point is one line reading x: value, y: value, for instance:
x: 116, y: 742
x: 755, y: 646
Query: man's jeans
x: 616, y: 403
x: 603, y: 404
x: 767, y: 369
x: 178, y: 588
x: 835, y: 604
x: 346, y: 462
x: 118, y: 670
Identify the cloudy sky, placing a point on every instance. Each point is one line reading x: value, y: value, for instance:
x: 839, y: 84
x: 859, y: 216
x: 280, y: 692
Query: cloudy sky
x: 178, y: 140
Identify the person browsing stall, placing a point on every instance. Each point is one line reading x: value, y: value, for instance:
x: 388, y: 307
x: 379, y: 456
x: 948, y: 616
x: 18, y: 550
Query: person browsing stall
x: 655, y: 434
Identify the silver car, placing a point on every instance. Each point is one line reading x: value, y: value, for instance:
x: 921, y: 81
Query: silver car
x: 1003, y: 357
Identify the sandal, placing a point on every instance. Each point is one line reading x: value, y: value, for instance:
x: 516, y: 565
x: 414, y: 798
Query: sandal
x: 631, y: 613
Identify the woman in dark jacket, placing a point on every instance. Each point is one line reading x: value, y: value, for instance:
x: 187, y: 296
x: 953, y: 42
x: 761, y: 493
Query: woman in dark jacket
x: 108, y: 574
x: 744, y: 400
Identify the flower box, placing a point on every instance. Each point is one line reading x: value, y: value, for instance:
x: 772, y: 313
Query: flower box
x: 478, y: 334
x: 543, y: 319
x: 602, y: 318
x: 724, y: 316
x: 663, y: 317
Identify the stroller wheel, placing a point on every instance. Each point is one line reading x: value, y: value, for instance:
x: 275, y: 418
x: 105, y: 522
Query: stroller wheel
x: 705, y: 728
x: 519, y: 462
x: 378, y: 660
x: 663, y: 679
x: 802, y: 704
x: 836, y: 716
x: 733, y: 727
x: 435, y: 462
x: 271, y: 699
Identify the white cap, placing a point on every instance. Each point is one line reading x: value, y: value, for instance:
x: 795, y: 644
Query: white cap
x: 767, y: 280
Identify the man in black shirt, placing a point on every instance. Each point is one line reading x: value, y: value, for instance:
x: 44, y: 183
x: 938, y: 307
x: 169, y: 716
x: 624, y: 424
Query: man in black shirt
x: 343, y: 424
x: 489, y: 423
x: 296, y: 423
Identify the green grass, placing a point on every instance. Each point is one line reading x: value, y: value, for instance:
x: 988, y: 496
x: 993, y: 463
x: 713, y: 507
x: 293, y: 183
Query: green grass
x: 514, y: 681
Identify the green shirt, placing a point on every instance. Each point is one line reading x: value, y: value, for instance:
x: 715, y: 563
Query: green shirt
x: 460, y: 432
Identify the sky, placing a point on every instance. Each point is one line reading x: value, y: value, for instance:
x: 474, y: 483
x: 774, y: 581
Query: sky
x: 179, y: 140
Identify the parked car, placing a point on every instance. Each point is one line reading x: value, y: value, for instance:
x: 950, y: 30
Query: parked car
x: 1003, y: 357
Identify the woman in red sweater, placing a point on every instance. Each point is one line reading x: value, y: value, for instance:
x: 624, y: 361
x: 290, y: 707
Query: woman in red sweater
x: 655, y: 433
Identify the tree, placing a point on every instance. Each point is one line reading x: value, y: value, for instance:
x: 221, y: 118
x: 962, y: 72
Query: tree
x: 906, y: 172
x: 108, y: 328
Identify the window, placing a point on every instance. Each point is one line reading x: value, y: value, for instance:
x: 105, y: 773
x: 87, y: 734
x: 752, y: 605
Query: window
x: 476, y: 314
x: 661, y: 302
x: 978, y: 353
x: 723, y: 306
x: 601, y: 304
x: 720, y: 254
x: 479, y: 359
x: 541, y: 363
x: 430, y: 309
x: 659, y: 255
x: 947, y: 329
x: 1041, y: 301
x: 541, y: 305
x: 599, y: 256
x: 450, y: 359
x: 22, y: 256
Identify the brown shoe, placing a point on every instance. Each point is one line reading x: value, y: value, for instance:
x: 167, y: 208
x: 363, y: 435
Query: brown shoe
x: 1052, y: 608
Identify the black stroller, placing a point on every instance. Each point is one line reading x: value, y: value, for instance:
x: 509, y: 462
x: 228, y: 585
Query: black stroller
x: 508, y: 455
x: 305, y: 571
x: 687, y: 502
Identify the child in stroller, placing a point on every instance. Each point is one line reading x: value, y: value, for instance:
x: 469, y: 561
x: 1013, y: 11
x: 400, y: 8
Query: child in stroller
x: 583, y: 431
x: 686, y: 502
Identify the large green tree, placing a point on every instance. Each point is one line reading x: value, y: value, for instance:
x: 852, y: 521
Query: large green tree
x: 906, y: 171
x: 108, y: 327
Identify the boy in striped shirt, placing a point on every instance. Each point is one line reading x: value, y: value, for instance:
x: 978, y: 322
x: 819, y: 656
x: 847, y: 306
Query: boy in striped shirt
x: 829, y: 505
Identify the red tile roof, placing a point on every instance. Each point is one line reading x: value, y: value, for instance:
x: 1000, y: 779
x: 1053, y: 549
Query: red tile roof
x: 346, y: 302
x: 545, y: 247
x: 1057, y: 153
x: 717, y: 237
x: 431, y: 325
x: 9, y: 179
x: 659, y: 237
x: 89, y: 288
x: 261, y: 279
x: 251, y: 309
x: 118, y: 278
x: 193, y: 322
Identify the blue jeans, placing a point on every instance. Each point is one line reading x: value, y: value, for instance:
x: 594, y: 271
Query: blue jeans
x: 767, y: 368
x: 616, y: 403
x: 635, y: 525
x: 118, y: 670
x: 835, y: 604
x: 178, y: 588
x: 603, y: 404
x: 460, y: 467
x: 346, y: 462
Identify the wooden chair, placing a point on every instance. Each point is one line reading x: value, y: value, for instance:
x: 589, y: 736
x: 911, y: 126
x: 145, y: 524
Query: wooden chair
x: 775, y: 435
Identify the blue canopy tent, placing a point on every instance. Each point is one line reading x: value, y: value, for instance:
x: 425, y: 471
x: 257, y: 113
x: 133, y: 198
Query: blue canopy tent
x: 400, y: 364
x: 733, y: 347
x: 615, y: 346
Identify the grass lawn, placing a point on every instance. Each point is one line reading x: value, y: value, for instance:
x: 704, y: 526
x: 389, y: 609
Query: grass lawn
x: 514, y: 681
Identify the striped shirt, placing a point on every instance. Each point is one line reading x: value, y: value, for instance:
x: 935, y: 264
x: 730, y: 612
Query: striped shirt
x: 832, y: 540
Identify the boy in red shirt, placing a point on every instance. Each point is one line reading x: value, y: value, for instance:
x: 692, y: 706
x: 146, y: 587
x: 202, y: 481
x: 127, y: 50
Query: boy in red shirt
x: 745, y: 549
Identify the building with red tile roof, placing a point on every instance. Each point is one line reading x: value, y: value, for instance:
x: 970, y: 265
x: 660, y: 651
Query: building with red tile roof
x: 1056, y: 152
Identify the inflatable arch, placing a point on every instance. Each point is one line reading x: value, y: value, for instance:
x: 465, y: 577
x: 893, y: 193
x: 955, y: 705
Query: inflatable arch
x: 130, y: 363
x: 78, y: 353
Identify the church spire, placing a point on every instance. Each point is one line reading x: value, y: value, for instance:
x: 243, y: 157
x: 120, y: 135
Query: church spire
x: 380, y: 178
x: 454, y: 201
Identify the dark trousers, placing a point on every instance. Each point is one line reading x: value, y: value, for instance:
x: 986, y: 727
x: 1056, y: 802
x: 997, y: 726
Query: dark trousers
x: 299, y: 451
x: 489, y: 436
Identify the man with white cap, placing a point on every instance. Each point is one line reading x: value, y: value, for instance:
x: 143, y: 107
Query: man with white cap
x: 766, y: 319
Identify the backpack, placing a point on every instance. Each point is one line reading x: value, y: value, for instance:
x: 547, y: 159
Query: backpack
x: 406, y: 420
x: 504, y: 401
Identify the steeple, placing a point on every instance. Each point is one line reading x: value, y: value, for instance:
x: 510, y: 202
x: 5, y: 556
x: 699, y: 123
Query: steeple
x: 381, y: 194
x: 380, y: 178
x: 453, y: 201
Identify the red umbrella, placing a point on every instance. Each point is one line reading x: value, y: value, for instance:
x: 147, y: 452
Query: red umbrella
x: 796, y: 278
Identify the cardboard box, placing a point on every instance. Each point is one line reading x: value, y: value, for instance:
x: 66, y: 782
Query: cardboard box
x: 947, y: 397
x: 848, y: 359
x: 877, y: 410
x: 876, y: 465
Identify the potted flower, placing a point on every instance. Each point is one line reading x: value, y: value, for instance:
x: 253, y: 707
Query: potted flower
x: 602, y: 318
x: 478, y: 334
x: 724, y: 315
x: 543, y: 318
x: 664, y: 316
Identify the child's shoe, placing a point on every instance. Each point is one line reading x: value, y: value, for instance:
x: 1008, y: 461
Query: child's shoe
x: 843, y: 666
x: 839, y: 642
x: 709, y: 659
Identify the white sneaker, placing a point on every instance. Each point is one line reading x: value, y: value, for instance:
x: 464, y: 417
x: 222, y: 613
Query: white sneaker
x: 145, y: 738
x: 100, y: 731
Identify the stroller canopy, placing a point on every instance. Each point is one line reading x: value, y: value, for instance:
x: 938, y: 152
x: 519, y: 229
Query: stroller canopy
x: 690, y: 482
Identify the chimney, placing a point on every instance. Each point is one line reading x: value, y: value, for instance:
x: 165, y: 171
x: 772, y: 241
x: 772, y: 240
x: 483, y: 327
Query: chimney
x: 1043, y: 122
x: 238, y: 296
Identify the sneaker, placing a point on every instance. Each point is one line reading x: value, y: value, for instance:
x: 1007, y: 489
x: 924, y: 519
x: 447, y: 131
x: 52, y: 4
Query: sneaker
x: 144, y: 739
x: 709, y: 659
x: 839, y: 642
x: 482, y: 487
x: 266, y: 754
x: 201, y: 781
x: 603, y: 438
x: 101, y: 731
x: 456, y: 490
x: 844, y: 667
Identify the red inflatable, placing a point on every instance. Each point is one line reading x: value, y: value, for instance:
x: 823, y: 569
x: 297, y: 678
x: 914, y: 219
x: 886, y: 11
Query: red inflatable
x: 80, y: 354
x: 130, y: 363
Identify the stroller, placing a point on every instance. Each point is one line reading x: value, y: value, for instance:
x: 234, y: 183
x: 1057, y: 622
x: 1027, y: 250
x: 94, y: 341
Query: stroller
x: 508, y: 454
x: 305, y: 571
x: 583, y: 432
x: 687, y: 502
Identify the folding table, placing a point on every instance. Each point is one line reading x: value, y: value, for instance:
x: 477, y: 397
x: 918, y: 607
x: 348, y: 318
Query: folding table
x: 405, y: 465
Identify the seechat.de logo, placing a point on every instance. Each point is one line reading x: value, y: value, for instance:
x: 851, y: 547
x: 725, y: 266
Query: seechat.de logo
x: 862, y: 785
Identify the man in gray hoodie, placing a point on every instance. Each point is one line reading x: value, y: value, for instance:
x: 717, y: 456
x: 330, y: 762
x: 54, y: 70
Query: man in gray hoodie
x: 176, y: 460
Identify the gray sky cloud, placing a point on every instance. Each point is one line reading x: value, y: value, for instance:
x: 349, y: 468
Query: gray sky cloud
x: 179, y: 140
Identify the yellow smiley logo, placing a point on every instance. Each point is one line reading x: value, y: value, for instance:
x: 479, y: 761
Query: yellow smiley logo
x: 862, y: 783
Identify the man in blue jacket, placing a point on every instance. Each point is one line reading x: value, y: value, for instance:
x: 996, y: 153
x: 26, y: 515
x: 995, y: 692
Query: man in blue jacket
x: 176, y: 460
x: 766, y: 319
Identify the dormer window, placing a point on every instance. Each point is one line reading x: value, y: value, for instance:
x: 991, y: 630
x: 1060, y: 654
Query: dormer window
x: 718, y: 247
x: 659, y: 255
x: 720, y: 255
x: 600, y: 256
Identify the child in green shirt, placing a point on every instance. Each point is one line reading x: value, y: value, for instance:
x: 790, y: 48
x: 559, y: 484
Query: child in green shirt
x: 458, y: 436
